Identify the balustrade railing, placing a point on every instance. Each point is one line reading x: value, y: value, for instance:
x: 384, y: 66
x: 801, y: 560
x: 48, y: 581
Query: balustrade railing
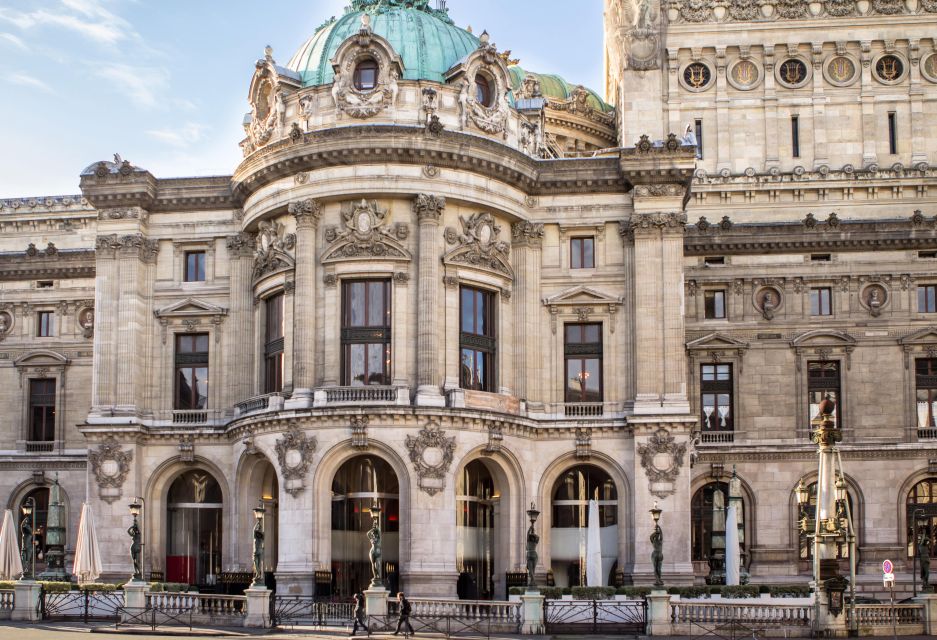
x: 718, y: 613
x: 6, y: 604
x: 496, y: 611
x: 926, y: 434
x: 355, y: 395
x: 204, y: 605
x: 40, y: 446
x: 266, y: 402
x: 880, y: 615
x: 580, y: 411
x: 717, y: 437
x: 189, y: 418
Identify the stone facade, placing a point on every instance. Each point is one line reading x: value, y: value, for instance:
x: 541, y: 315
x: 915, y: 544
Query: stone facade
x: 417, y: 185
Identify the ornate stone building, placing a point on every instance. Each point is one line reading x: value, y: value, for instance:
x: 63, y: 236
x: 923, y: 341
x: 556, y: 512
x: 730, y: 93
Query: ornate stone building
x: 446, y: 284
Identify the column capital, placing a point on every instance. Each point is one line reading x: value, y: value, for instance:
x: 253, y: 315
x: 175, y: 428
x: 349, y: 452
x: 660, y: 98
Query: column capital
x: 647, y: 223
x: 428, y: 208
x: 240, y: 245
x: 307, y: 213
x: 527, y: 233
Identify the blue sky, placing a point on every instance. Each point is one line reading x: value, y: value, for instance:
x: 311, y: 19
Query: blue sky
x: 164, y: 82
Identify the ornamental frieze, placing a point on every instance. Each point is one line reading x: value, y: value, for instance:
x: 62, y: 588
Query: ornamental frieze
x: 366, y: 233
x: 431, y: 453
x: 294, y: 453
x: 110, y: 465
x: 662, y: 459
x: 477, y: 245
x: 697, y: 11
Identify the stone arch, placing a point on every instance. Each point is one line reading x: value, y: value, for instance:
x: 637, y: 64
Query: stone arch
x: 511, y: 527
x: 324, y: 473
x: 544, y: 493
x: 154, y: 516
x: 748, y: 500
x: 901, y: 503
x: 256, y: 474
x: 24, y: 488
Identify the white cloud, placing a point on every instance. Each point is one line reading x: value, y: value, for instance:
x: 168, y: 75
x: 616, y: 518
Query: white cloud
x: 84, y: 17
x: 26, y: 80
x: 145, y: 86
x: 14, y: 40
x: 180, y: 137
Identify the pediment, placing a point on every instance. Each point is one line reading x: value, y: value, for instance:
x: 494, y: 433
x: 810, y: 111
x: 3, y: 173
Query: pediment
x: 190, y: 307
x: 716, y: 341
x: 581, y: 295
x: 823, y: 337
x: 927, y: 335
x: 41, y: 357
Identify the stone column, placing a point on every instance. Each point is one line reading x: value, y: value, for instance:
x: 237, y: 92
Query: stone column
x: 428, y: 210
x: 134, y: 283
x: 723, y: 128
x: 772, y: 158
x: 658, y: 614
x: 820, y: 153
x: 527, y: 240
x: 103, y: 391
x: 240, y: 362
x: 307, y: 214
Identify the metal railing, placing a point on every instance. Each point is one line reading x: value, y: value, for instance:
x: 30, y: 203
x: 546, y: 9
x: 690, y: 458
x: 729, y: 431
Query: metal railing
x: 40, y: 446
x: 84, y: 605
x: 595, y: 616
x: 308, y: 611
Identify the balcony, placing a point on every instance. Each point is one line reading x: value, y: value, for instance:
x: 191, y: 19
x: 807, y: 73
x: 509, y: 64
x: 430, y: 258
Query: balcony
x: 371, y: 395
x: 717, y: 437
x: 259, y: 404
x: 39, y: 446
x: 189, y: 418
x: 927, y: 433
x: 578, y: 411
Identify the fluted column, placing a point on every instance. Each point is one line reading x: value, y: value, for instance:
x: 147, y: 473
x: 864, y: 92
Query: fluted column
x: 240, y: 365
x: 307, y: 214
x: 428, y: 210
x: 527, y: 240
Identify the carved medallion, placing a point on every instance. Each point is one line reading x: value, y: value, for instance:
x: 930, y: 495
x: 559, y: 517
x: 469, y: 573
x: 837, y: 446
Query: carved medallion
x: 431, y: 454
x: 365, y: 234
x: 841, y: 71
x: 889, y: 69
x: 929, y: 67
x: 768, y: 301
x: 478, y: 244
x: 697, y: 76
x: 85, y: 319
x: 662, y: 459
x: 110, y: 466
x: 874, y: 297
x: 294, y: 453
x: 792, y: 73
x: 273, y: 245
x: 744, y: 75
x: 6, y: 323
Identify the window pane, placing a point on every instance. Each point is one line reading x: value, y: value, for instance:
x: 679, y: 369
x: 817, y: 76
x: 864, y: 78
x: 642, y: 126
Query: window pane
x: 592, y: 334
x: 275, y: 317
x: 201, y: 387
x: 709, y: 372
x: 814, y: 302
x: 375, y: 364
x: 575, y: 253
x: 201, y: 343
x: 723, y: 372
x: 593, y: 382
x: 588, y: 253
x: 356, y: 365
x: 468, y: 310
x: 573, y: 333
x: 481, y: 313
x: 931, y: 304
x: 356, y: 304
x: 183, y: 389
x: 481, y: 370
x: 376, y: 299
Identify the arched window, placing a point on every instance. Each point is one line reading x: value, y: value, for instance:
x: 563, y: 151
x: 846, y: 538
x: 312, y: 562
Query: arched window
x: 194, y: 509
x: 570, y: 511
x: 708, y: 514
x: 41, y: 496
x: 810, y: 510
x: 483, y: 92
x: 476, y: 501
x: 365, y: 76
x: 358, y: 484
x: 922, y: 513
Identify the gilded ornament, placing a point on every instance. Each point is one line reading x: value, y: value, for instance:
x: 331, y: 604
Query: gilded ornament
x: 744, y: 74
x: 792, y: 73
x: 697, y: 76
x: 929, y: 67
x: 889, y: 69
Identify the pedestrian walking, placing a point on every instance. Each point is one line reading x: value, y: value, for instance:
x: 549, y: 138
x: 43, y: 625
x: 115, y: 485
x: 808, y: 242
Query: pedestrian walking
x: 403, y: 615
x: 359, y: 614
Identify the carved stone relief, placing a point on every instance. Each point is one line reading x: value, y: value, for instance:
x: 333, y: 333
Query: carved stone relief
x: 662, y: 459
x: 874, y: 297
x: 359, y: 432
x: 365, y: 233
x: 294, y: 453
x: 495, y: 440
x: 6, y: 323
x: 768, y: 301
x: 85, y: 319
x: 431, y: 453
x: 644, y: 38
x: 273, y: 245
x: 477, y: 245
x: 110, y: 465
x: 365, y: 103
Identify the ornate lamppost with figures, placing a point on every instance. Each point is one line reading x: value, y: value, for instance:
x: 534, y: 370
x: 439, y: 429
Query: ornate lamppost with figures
x: 28, y: 539
x: 136, y: 546
x: 657, y: 547
x: 258, y: 559
x: 531, y: 548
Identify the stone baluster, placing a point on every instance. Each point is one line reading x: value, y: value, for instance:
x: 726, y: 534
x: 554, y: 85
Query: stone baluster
x: 428, y: 210
x: 307, y: 214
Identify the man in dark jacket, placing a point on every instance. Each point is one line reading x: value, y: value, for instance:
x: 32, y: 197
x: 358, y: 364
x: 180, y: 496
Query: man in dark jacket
x: 359, y: 614
x: 403, y: 615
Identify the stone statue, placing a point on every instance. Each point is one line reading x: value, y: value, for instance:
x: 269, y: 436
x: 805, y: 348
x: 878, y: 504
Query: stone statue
x: 532, y: 541
x: 135, y: 548
x: 923, y: 552
x: 642, y: 18
x: 768, y: 304
x: 4, y: 325
x: 374, y: 535
x: 258, y: 552
x: 875, y: 302
x: 27, y: 546
x: 657, y: 555
x: 463, y: 103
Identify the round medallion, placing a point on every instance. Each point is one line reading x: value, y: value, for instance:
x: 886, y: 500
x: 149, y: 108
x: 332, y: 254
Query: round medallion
x: 873, y: 298
x: 841, y: 71
x: 662, y: 460
x: 293, y: 458
x: 484, y: 233
x: 109, y: 468
x: 363, y: 222
x: 889, y: 69
x: 929, y: 67
x: 6, y: 322
x: 432, y: 456
x: 793, y: 73
x: 696, y: 76
x: 744, y: 75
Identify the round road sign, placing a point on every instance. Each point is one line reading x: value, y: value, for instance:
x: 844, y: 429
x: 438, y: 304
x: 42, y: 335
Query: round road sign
x: 887, y: 566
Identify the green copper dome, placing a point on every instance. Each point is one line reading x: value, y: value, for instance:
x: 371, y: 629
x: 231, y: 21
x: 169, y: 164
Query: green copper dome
x: 553, y: 86
x: 428, y: 43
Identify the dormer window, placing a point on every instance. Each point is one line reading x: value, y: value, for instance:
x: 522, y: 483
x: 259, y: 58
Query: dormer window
x: 483, y: 93
x: 366, y: 75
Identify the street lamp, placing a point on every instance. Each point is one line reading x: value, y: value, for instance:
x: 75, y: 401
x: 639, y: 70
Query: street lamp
x: 136, y: 547
x: 532, y: 540
x: 917, y: 518
x: 259, y: 512
x: 657, y: 545
x: 29, y: 520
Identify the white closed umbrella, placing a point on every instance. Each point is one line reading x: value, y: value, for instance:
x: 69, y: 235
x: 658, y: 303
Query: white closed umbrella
x: 87, y: 553
x: 11, y: 565
x: 593, y: 547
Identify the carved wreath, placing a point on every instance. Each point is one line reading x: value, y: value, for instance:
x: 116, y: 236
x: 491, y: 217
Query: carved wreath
x: 294, y: 453
x: 110, y: 464
x: 662, y: 459
x: 431, y: 453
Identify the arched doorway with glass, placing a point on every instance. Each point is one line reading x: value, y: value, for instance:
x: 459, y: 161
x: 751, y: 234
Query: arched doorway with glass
x: 258, y: 487
x: 570, y: 524
x: 40, y: 496
x: 359, y: 483
x: 921, y: 518
x: 194, y: 526
x: 480, y: 533
x: 708, y: 511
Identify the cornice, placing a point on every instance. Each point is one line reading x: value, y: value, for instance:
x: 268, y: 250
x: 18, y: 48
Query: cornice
x: 804, y: 451
x: 62, y: 265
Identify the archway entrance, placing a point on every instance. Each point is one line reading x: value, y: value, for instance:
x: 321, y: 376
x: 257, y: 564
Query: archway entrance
x: 194, y: 529
x: 569, y: 532
x: 359, y: 483
x: 259, y: 486
x: 477, y: 503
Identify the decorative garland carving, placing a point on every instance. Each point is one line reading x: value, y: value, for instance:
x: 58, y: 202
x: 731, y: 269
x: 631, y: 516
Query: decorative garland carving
x: 696, y: 11
x: 662, y: 459
x: 366, y: 234
x: 478, y: 245
x: 431, y: 453
x: 294, y: 453
x: 489, y: 119
x: 110, y: 465
x: 273, y: 243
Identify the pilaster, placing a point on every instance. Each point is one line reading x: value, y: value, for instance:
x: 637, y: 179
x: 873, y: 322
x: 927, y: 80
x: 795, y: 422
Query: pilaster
x: 528, y: 360
x: 867, y: 99
x: 240, y: 362
x: 307, y: 214
x: 428, y: 210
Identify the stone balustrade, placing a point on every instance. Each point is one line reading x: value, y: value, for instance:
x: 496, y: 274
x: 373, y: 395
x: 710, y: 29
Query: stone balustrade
x: 6, y: 603
x: 208, y: 608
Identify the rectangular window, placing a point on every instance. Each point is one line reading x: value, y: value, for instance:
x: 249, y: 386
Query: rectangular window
x: 699, y: 139
x: 710, y: 261
x: 191, y: 385
x: 582, y: 253
x: 583, y: 352
x: 820, y: 257
x: 821, y: 302
x: 44, y: 324
x: 892, y: 132
x: 42, y: 410
x: 715, y: 302
x: 823, y: 382
x: 273, y: 345
x: 366, y: 332
x: 716, y: 397
x: 477, y: 339
x: 795, y: 136
x: 927, y: 298
x: 195, y: 266
x: 926, y: 383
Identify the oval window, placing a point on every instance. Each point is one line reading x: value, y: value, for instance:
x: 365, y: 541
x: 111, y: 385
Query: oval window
x: 483, y: 90
x: 366, y: 75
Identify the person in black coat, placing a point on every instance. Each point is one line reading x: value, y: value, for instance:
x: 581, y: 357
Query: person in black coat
x: 359, y: 614
x: 403, y: 615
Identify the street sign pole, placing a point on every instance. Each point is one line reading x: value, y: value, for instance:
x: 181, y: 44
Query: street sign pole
x: 888, y: 578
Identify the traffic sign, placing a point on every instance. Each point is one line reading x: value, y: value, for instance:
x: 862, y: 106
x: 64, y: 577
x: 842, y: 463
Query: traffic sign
x: 887, y: 567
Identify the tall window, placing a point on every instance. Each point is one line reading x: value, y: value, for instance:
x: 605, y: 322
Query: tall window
x: 715, y: 304
x: 823, y: 382
x: 708, y: 521
x: 44, y: 324
x: 194, y: 266
x: 477, y: 341
x: 366, y: 332
x: 925, y: 370
x: 699, y: 139
x: 365, y: 76
x: 927, y: 298
x: 921, y: 507
x: 716, y: 397
x: 821, y: 302
x: 583, y: 363
x: 273, y: 345
x: 795, y: 136
x: 42, y: 410
x: 483, y: 93
x: 582, y: 253
x: 892, y: 132
x: 191, y: 371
